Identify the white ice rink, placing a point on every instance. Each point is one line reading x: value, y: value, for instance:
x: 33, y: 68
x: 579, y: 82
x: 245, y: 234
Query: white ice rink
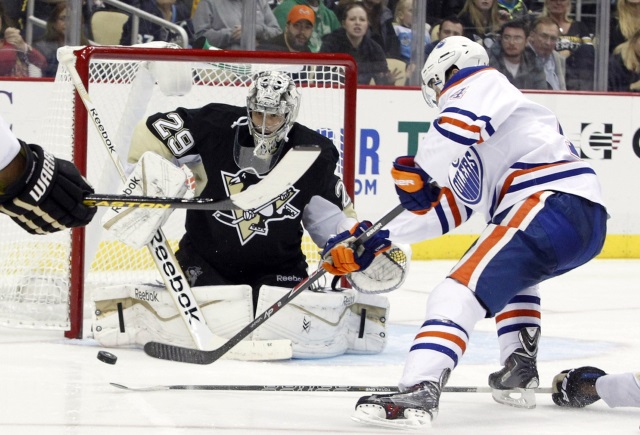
x: 591, y: 316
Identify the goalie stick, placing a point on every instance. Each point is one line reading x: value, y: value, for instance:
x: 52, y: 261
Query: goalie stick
x: 307, y: 388
x: 194, y: 356
x: 172, y: 275
x: 292, y: 166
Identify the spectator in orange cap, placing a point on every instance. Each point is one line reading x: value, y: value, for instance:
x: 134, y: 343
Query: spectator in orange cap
x: 297, y: 32
x: 325, y: 20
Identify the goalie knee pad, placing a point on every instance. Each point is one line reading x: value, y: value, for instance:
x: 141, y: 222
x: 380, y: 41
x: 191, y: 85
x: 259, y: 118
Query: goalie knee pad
x: 132, y: 315
x: 326, y: 324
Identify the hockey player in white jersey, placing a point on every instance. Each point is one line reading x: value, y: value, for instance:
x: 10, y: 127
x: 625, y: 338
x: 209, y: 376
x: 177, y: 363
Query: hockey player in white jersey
x: 41, y: 193
x: 577, y: 388
x: 490, y: 151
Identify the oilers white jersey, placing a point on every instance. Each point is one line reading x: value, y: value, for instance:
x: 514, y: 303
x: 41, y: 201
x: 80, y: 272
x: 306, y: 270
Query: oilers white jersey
x: 490, y: 148
x: 10, y: 146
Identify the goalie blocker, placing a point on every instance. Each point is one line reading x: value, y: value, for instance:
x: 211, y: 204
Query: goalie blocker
x: 320, y: 324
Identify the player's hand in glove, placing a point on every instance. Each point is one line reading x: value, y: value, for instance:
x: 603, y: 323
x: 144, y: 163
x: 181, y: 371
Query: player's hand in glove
x: 576, y: 388
x: 48, y: 196
x: 415, y: 188
x: 339, y: 256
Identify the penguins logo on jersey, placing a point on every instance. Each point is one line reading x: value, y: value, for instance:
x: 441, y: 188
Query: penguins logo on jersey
x: 248, y: 223
x: 465, y: 176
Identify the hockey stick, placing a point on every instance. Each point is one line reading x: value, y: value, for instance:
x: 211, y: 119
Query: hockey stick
x: 194, y: 356
x: 291, y: 167
x: 172, y: 275
x: 307, y: 388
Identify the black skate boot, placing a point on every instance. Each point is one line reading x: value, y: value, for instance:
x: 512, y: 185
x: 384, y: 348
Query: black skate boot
x: 416, y: 407
x: 514, y: 384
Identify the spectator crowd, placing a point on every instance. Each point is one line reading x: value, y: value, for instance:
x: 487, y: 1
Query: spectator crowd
x: 537, y: 44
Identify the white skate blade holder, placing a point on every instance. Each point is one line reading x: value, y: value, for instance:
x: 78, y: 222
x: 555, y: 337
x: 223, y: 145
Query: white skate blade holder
x: 374, y: 415
x: 516, y: 397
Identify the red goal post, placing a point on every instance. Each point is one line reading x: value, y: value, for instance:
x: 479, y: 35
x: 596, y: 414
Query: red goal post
x: 47, y: 280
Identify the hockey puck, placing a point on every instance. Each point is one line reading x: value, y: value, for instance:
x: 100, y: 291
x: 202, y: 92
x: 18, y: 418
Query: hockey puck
x: 107, y: 357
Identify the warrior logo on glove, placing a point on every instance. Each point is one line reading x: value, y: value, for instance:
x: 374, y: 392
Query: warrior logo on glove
x: 48, y: 196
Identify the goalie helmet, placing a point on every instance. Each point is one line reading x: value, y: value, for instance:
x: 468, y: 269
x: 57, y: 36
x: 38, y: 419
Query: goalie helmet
x: 272, y: 92
x: 453, y: 51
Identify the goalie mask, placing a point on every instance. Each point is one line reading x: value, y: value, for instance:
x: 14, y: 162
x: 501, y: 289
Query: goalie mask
x: 274, y: 99
x: 453, y: 51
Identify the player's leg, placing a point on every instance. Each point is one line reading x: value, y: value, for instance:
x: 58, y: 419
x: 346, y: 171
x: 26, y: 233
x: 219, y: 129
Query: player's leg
x: 518, y: 327
x: 452, y: 312
x: 543, y: 236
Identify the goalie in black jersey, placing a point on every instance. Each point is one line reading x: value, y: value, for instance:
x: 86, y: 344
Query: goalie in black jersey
x: 257, y: 253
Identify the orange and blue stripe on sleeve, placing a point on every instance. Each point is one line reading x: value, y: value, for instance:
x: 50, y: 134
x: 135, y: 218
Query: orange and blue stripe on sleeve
x: 463, y: 126
x: 447, y: 208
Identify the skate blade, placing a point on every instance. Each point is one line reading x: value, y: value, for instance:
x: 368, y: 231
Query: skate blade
x: 374, y: 416
x: 516, y: 397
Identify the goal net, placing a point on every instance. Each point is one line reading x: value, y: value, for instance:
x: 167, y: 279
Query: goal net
x: 46, y: 280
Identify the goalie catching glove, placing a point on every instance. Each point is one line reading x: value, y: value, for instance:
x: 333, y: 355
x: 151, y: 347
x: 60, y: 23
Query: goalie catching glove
x: 48, y: 196
x: 415, y: 188
x: 339, y: 257
x: 152, y: 176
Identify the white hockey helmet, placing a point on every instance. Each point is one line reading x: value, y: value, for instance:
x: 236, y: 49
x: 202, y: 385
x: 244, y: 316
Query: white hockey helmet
x: 272, y: 92
x: 453, y: 51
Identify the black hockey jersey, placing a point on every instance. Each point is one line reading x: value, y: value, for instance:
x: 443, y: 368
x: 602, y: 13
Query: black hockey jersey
x: 240, y: 246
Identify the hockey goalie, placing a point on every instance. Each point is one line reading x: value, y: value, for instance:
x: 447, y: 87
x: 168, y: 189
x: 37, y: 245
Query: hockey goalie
x: 240, y: 262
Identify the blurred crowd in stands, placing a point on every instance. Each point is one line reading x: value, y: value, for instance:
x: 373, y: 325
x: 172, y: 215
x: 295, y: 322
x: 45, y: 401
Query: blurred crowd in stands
x: 537, y: 44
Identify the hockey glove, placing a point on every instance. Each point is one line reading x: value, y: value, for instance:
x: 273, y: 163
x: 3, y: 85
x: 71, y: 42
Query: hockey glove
x: 48, y: 196
x: 576, y: 388
x: 339, y: 257
x: 416, y: 189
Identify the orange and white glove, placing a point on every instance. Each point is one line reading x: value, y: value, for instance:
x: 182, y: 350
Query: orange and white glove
x: 339, y: 256
x: 415, y: 188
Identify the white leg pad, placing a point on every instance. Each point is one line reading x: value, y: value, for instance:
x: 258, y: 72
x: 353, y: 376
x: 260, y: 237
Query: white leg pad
x: 367, y: 324
x: 325, y: 324
x: 149, y: 314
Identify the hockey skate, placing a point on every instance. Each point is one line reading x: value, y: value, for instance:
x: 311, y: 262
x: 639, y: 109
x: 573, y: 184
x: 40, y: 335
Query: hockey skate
x: 514, y: 384
x: 415, y: 408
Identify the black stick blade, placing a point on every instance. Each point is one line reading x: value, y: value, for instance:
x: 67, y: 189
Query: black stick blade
x: 178, y: 354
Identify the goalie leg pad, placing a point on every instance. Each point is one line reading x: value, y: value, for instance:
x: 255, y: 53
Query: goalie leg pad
x: 367, y: 324
x: 325, y: 324
x: 132, y: 315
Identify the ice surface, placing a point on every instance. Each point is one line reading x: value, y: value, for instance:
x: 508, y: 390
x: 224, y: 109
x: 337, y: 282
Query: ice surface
x: 50, y: 385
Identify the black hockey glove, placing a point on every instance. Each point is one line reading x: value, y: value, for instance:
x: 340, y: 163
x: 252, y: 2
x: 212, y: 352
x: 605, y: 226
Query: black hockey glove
x: 48, y: 196
x: 576, y: 388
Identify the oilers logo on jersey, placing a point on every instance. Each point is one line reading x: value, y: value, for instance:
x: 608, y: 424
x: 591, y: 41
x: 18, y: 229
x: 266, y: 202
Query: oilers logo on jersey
x: 466, y: 175
x: 248, y: 223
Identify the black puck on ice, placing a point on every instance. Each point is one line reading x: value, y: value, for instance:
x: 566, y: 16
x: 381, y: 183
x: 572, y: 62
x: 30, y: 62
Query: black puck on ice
x: 107, y: 357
